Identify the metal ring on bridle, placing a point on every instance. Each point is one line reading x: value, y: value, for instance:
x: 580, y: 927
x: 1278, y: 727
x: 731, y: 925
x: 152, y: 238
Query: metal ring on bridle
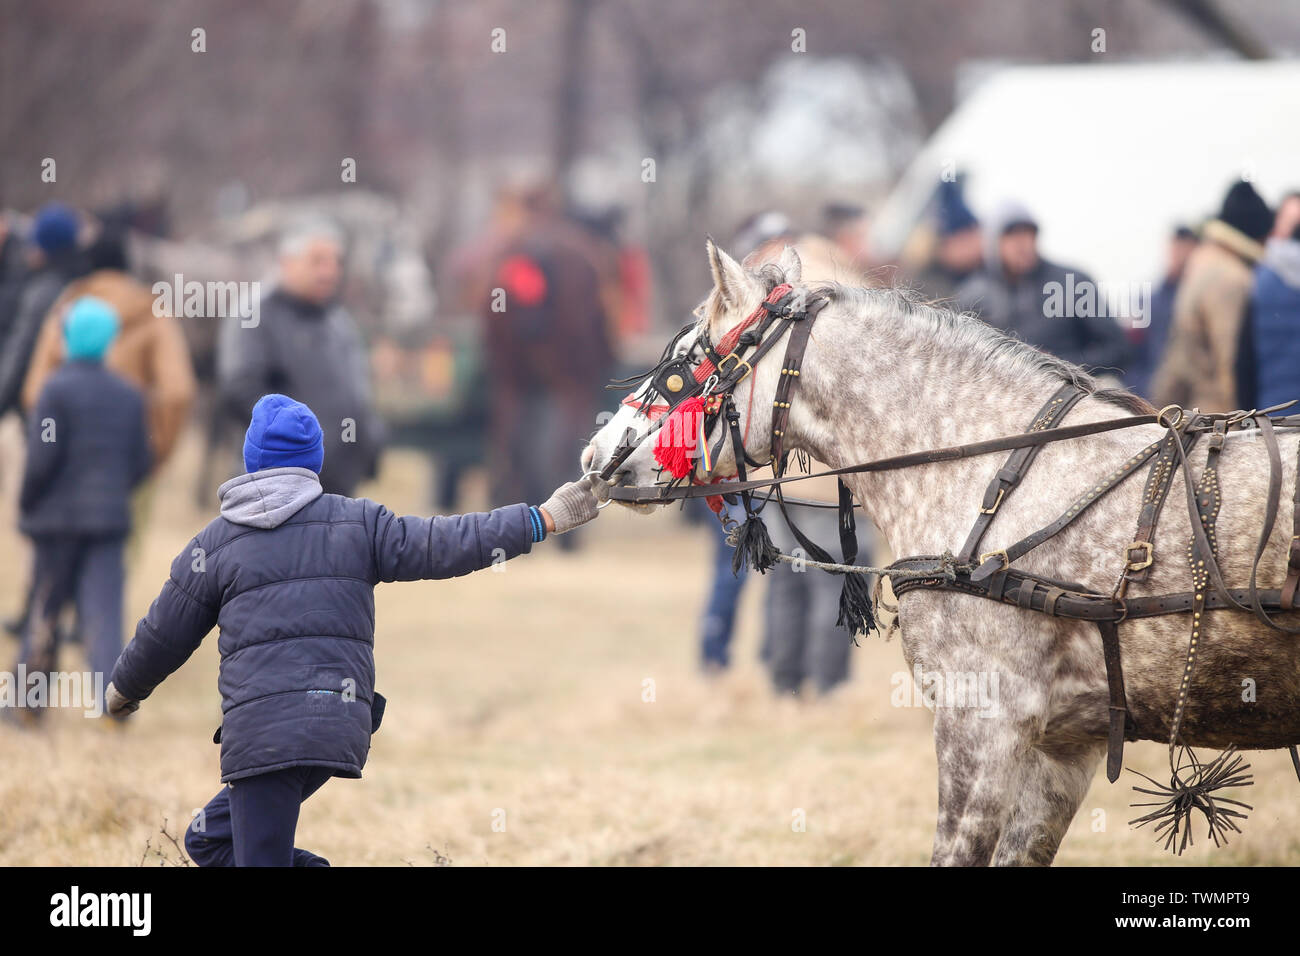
x: 595, y: 471
x: 1160, y: 416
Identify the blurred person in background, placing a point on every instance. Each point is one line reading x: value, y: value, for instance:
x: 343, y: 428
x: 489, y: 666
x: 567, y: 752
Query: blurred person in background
x: 838, y: 257
x: 54, y: 259
x: 12, y: 271
x: 1199, y: 368
x: 547, y: 337
x: 847, y: 226
x: 149, y: 351
x: 802, y: 645
x: 958, y: 251
x: 1288, y: 216
x: 1149, y: 343
x: 1015, y: 288
x: 307, y: 343
x: 1268, y: 366
x: 88, y: 448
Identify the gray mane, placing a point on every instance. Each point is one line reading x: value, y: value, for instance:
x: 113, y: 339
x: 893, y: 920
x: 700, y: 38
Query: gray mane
x: 965, y: 332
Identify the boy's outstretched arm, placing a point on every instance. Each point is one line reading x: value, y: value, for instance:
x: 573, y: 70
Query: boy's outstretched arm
x: 178, y: 620
x: 415, y: 549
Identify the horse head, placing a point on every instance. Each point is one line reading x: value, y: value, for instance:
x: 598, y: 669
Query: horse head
x: 629, y: 449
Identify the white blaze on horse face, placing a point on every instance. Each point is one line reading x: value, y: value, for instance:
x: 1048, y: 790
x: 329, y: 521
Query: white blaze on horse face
x: 735, y: 295
x: 627, y: 424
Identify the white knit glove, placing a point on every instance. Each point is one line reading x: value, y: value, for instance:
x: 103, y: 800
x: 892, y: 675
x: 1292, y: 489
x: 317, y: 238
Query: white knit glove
x: 117, y: 704
x: 571, y: 505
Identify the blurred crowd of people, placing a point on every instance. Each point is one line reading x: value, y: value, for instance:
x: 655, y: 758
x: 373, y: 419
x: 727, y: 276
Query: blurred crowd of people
x: 91, y: 358
x: 1215, y: 332
x: 555, y: 293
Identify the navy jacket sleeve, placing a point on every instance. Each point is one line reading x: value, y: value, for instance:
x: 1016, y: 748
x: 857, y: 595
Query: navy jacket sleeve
x: 178, y: 620
x: 42, y: 456
x: 415, y: 549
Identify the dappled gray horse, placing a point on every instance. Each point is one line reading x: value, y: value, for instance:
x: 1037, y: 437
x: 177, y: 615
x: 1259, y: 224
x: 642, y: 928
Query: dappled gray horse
x: 885, y: 375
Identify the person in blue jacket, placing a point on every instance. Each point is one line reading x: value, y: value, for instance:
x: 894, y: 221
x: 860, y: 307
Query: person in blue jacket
x: 88, y: 447
x: 1268, y: 353
x: 287, y: 573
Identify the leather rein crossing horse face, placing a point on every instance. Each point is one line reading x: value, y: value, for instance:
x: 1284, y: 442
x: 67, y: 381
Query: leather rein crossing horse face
x: 696, y: 394
x: 686, y: 394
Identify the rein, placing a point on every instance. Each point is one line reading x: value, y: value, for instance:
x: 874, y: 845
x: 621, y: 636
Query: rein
x: 657, y: 494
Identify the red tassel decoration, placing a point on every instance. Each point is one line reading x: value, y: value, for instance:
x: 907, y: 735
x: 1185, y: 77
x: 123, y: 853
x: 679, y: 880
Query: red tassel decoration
x: 676, y: 441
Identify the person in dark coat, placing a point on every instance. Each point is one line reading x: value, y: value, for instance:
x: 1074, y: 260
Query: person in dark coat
x: 546, y: 339
x: 1039, y: 301
x: 958, y: 248
x: 56, y: 261
x: 304, y: 341
x: 88, y: 448
x: 1268, y: 368
x: 287, y: 573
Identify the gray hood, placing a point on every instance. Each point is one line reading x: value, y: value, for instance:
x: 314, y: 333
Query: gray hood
x: 1283, y: 257
x: 268, y: 498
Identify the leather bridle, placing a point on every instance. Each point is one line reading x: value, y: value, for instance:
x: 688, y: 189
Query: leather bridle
x: 715, y: 373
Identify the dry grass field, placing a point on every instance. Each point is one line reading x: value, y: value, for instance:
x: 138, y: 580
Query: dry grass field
x: 520, y: 696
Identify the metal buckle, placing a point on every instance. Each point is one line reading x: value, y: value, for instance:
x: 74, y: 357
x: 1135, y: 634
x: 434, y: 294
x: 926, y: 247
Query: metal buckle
x: 739, y: 362
x: 1006, y: 561
x: 1137, y: 565
x: 1160, y: 416
x: 989, y: 511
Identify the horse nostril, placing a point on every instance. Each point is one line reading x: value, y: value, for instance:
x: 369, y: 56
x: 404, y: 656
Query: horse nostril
x: 587, y: 457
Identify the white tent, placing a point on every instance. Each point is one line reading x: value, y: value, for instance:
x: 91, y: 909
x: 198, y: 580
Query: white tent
x: 1110, y: 158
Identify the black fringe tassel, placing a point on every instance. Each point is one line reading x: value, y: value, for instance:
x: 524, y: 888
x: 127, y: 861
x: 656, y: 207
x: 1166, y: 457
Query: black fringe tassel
x: 856, y: 614
x: 754, y: 547
x: 1191, y: 784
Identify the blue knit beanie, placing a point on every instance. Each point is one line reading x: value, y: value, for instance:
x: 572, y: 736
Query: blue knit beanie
x: 55, y: 228
x: 953, y: 214
x: 89, y: 329
x: 283, y: 434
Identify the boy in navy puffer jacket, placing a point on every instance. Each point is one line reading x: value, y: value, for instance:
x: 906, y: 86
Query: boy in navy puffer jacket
x: 288, y: 574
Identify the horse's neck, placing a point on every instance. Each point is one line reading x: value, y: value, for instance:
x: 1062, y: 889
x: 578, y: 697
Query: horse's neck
x: 866, y: 397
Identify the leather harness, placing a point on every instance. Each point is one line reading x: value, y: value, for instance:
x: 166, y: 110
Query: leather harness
x: 992, y: 575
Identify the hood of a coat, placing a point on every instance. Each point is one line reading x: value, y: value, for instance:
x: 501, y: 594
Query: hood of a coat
x: 268, y: 498
x: 132, y: 299
x: 1283, y: 257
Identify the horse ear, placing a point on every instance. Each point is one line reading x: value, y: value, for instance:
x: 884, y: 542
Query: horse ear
x: 728, y: 276
x: 791, y: 265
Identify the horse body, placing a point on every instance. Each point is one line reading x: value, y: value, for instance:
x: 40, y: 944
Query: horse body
x: 883, y: 376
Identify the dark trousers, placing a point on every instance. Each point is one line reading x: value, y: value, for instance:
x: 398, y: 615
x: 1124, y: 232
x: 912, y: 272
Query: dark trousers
x: 800, y: 639
x: 251, y: 822
x: 86, y: 571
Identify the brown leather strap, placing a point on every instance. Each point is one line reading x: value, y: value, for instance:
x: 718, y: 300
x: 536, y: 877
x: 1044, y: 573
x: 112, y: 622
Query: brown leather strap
x: 1061, y: 599
x: 1292, y: 582
x: 1009, y: 475
x: 661, y: 494
x: 1140, y: 555
x: 995, y: 560
x: 788, y: 383
x: 1208, y: 500
x: 1118, y: 708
